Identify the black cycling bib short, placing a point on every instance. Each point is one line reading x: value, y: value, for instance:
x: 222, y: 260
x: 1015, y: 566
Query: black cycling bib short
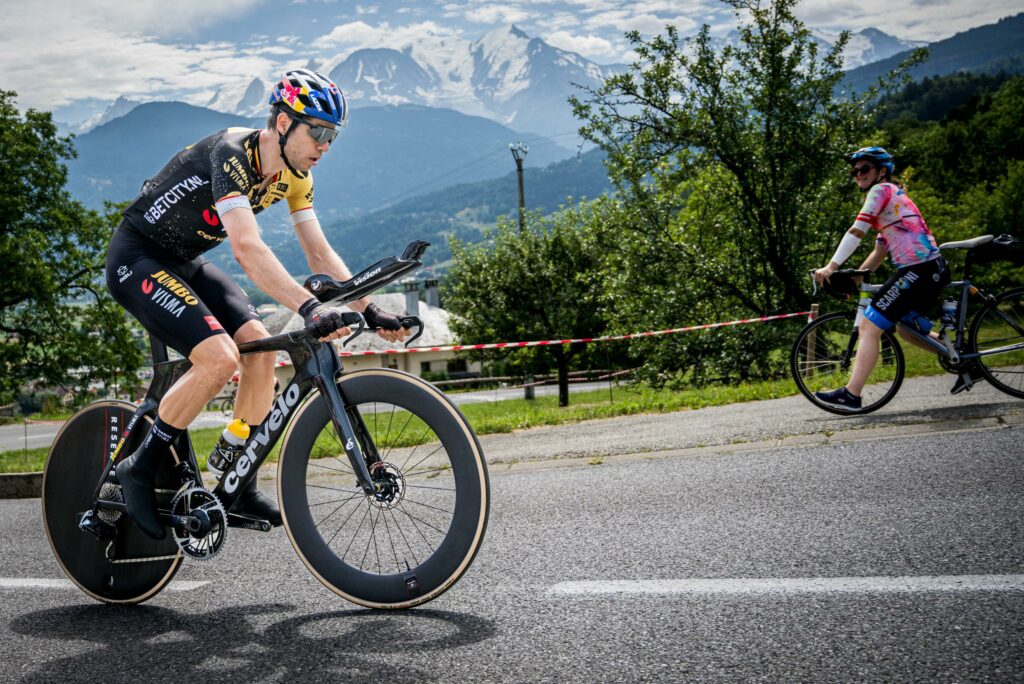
x: 155, y: 268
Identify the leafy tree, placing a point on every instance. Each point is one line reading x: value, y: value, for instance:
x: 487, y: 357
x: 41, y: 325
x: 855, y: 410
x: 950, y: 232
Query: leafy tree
x: 729, y: 161
x: 58, y: 324
x: 761, y: 116
x: 537, y: 284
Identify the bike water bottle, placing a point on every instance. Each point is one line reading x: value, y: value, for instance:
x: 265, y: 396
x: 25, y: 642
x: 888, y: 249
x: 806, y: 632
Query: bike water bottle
x: 229, y: 447
x: 949, y: 314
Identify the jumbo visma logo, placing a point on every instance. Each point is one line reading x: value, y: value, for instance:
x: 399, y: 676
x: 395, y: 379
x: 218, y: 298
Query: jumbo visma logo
x: 173, y: 296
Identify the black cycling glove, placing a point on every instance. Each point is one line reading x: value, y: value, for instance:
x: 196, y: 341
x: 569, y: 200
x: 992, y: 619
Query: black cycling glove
x: 320, y: 320
x: 378, y: 318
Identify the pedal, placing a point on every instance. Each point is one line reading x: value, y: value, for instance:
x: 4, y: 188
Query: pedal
x: 246, y: 523
x: 93, y: 524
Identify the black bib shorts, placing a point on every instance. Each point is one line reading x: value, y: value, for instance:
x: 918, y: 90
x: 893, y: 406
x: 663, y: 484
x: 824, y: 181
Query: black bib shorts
x: 180, y: 302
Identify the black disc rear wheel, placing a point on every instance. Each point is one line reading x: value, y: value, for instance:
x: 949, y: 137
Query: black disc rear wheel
x: 417, y: 534
x: 132, y: 567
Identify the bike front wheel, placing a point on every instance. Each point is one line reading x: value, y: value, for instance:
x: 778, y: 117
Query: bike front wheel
x: 997, y: 325
x: 412, y: 539
x: 822, y: 359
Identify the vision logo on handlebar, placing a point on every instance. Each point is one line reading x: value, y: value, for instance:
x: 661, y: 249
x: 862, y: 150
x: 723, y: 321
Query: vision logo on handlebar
x: 385, y: 271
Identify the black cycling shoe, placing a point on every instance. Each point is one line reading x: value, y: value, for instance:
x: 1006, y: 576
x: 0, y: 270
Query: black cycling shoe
x: 965, y: 381
x: 841, y: 399
x: 255, y: 504
x: 137, y: 477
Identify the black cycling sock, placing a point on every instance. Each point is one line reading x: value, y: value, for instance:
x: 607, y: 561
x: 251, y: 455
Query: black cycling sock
x: 137, y: 476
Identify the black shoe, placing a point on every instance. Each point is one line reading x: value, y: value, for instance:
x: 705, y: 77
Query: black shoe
x: 841, y: 399
x: 137, y: 477
x: 255, y: 504
x: 965, y: 381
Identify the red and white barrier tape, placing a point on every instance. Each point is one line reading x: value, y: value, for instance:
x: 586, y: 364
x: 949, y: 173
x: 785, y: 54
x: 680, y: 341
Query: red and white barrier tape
x: 542, y: 343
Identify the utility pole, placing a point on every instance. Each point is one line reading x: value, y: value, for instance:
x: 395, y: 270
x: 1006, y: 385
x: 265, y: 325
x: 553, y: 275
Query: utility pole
x: 519, y: 151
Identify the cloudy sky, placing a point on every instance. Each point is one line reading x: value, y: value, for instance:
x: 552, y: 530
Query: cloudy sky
x: 74, y: 56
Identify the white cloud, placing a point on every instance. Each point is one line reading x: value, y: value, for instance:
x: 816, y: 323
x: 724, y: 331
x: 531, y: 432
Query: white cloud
x: 594, y: 48
x: 347, y: 38
x: 916, y: 20
x: 495, y: 14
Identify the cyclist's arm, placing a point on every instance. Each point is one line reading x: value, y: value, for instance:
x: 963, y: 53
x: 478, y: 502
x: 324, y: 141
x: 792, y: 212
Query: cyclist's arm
x: 258, y: 262
x: 322, y: 258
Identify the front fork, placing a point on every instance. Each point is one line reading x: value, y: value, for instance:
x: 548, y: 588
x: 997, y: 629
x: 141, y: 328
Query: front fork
x: 336, y: 405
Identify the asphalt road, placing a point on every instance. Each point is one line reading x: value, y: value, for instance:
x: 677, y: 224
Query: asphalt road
x: 884, y: 557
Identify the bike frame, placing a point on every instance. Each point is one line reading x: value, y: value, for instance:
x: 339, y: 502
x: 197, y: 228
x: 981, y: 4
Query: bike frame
x: 966, y: 290
x: 317, y: 366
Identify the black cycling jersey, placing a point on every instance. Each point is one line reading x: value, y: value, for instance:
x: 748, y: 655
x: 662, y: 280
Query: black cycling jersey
x: 177, y: 208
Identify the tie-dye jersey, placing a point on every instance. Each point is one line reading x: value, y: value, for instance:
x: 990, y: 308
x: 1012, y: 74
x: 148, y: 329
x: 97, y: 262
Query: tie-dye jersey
x: 901, y: 229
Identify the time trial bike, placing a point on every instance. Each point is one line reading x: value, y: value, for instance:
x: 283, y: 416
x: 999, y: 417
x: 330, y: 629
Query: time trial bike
x: 382, y: 484
x: 990, y: 346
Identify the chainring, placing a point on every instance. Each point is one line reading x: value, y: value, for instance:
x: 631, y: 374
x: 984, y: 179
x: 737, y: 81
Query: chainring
x: 196, y: 501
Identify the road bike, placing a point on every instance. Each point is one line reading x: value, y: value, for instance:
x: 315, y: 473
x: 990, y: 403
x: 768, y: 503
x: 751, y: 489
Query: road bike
x: 382, y: 484
x: 990, y: 346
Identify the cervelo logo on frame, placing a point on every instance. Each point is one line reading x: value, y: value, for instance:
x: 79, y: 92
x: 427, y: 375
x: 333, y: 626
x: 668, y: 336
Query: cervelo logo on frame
x: 282, y: 407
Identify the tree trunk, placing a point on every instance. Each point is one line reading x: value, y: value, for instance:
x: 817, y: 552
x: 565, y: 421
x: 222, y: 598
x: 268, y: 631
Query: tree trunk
x: 562, y: 359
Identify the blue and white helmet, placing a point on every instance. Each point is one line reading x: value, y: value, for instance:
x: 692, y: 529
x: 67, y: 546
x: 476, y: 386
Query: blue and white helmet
x: 311, y: 94
x: 877, y: 155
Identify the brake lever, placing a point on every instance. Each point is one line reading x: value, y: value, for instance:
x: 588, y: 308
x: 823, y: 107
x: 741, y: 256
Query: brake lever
x: 412, y: 322
x: 814, y: 291
x: 350, y: 318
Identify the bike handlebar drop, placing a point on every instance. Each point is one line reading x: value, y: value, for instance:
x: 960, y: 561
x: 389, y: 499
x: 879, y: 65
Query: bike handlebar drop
x: 384, y: 272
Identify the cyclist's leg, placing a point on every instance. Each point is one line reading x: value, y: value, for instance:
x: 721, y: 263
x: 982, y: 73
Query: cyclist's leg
x: 917, y: 342
x: 869, y: 340
x: 158, y: 295
x: 256, y: 371
x: 911, y: 288
x: 256, y: 378
x: 241, y: 322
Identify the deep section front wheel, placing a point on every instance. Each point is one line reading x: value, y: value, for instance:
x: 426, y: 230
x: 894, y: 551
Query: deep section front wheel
x: 998, y: 325
x: 412, y: 539
x: 131, y: 567
x: 822, y: 359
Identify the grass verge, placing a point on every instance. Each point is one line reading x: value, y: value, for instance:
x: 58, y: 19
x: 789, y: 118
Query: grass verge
x: 520, y: 414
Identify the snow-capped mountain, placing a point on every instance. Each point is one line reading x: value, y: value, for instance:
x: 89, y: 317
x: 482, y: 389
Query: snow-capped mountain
x: 114, y: 110
x: 506, y: 76
x: 865, y: 46
x: 245, y: 98
x: 871, y: 45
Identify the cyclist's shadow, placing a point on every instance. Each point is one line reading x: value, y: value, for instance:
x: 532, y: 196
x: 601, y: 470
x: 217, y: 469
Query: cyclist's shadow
x: 158, y: 644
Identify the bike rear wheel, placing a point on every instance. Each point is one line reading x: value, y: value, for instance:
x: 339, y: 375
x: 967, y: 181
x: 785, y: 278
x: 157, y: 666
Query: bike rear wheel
x: 1001, y: 324
x: 141, y: 566
x: 412, y: 540
x: 822, y: 359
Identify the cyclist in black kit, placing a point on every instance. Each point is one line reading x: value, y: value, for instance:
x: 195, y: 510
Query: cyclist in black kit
x: 210, y: 192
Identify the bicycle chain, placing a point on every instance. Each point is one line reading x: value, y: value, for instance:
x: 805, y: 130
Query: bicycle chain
x: 149, y: 559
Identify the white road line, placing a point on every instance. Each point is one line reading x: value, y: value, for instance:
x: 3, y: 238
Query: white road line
x: 39, y: 583
x: 796, y: 585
